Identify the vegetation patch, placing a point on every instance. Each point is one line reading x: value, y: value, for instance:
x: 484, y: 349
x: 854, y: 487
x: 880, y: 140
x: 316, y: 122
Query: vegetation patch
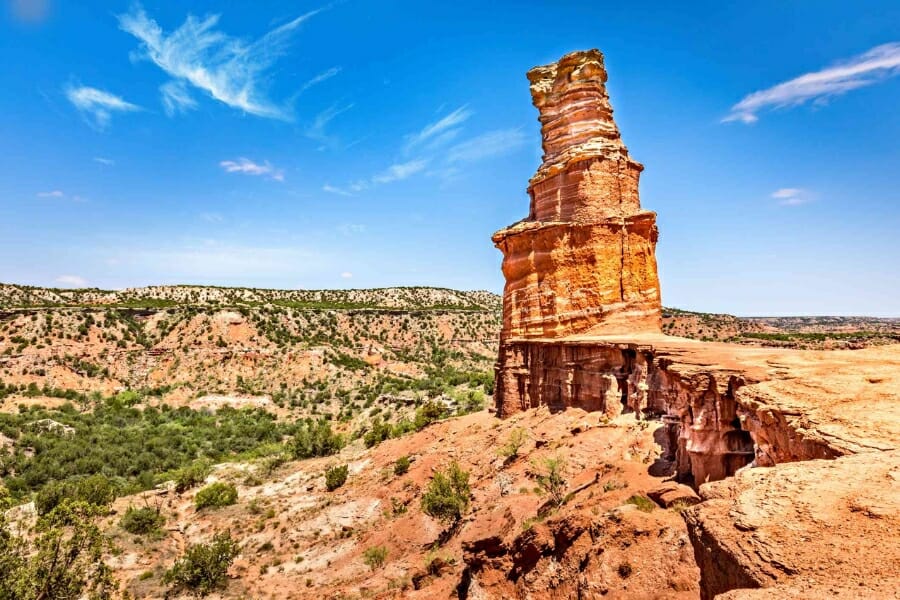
x: 142, y: 521
x: 335, y: 477
x: 216, y: 495
x: 448, y: 494
x: 642, y: 503
x: 204, y: 567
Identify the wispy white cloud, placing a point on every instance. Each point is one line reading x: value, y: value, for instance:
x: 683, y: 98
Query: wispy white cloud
x: 212, y: 217
x: 51, y: 194
x: 316, y: 130
x: 248, y: 167
x: 346, y: 275
x: 176, y: 98
x: 442, y: 130
x: 396, y: 172
x: 878, y: 64
x: 73, y: 281
x: 229, y: 69
x: 104, y: 161
x: 323, y: 76
x: 486, y: 145
x: 335, y: 190
x: 98, y: 106
x: 792, y: 196
x: 400, y: 171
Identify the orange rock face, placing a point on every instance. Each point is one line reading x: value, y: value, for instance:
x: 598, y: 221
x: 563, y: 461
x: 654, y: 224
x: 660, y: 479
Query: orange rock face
x: 583, y: 262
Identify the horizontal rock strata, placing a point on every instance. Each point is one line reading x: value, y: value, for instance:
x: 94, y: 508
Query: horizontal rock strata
x: 584, y: 258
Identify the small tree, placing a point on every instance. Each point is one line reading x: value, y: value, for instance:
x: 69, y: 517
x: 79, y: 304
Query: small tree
x: 216, y: 495
x: 447, y: 497
x: 335, y: 477
x: 63, y: 560
x: 316, y: 439
x: 552, y: 481
x: 204, y: 567
x: 513, y: 444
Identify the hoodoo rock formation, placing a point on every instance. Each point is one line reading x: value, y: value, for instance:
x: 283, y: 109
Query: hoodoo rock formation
x: 583, y: 260
x: 581, y: 329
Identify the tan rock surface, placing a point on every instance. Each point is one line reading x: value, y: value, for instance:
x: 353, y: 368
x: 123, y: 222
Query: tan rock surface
x: 817, y: 529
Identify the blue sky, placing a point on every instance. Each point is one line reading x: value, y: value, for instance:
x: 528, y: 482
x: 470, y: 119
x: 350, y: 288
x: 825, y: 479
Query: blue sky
x: 361, y: 144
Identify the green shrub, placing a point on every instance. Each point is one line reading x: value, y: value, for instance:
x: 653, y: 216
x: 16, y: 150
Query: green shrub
x: 401, y: 465
x: 375, y: 556
x: 514, y: 443
x: 216, y: 495
x: 142, y: 521
x: 5, y: 499
x: 379, y: 432
x: 191, y: 475
x: 643, y: 503
x: 428, y: 413
x: 552, y: 481
x: 95, y: 490
x: 315, y: 439
x: 447, y: 497
x: 335, y: 477
x: 204, y: 567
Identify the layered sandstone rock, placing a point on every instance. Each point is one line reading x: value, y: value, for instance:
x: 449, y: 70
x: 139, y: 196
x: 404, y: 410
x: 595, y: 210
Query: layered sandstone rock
x: 583, y: 261
x: 813, y: 530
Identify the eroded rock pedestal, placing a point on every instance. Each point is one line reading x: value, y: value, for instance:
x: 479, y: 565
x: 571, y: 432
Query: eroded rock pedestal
x: 583, y: 260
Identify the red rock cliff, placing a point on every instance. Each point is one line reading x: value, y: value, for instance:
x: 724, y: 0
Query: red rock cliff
x: 583, y: 262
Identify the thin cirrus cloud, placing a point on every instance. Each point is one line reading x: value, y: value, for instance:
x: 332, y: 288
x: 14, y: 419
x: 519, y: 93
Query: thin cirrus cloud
x: 97, y: 106
x: 487, y: 145
x: 249, y: 167
x: 61, y: 194
x: 396, y: 172
x: 792, y: 196
x: 321, y: 77
x: 871, y: 67
x: 176, y: 99
x: 107, y: 162
x: 227, y: 68
x: 432, y: 137
x: 317, y: 129
x: 442, y: 130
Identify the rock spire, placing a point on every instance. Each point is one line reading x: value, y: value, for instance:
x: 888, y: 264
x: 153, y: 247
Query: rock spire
x: 583, y: 261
